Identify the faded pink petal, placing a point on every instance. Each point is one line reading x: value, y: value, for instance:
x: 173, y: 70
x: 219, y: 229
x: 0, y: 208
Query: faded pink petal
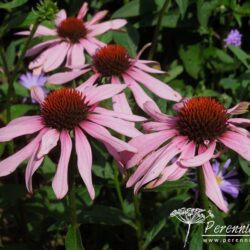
x: 82, y: 12
x: 45, y: 31
x: 26, y: 126
x: 60, y: 180
x: 88, y: 83
x: 84, y: 160
x: 156, y: 86
x: 103, y: 135
x: 9, y: 165
x: 240, y: 108
x: 155, y: 126
x: 201, y: 158
x: 37, y: 94
x: 212, y: 188
x: 60, y: 16
x: 147, y: 69
x: 96, y: 18
x: 76, y: 58
x: 241, y: 121
x: 89, y: 46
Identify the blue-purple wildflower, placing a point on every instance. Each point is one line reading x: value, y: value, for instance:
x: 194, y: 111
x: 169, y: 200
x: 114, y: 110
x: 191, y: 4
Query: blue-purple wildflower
x: 233, y: 38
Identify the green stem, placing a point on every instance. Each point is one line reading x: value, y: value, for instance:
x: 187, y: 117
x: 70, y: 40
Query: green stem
x: 157, y: 29
x: 139, y: 226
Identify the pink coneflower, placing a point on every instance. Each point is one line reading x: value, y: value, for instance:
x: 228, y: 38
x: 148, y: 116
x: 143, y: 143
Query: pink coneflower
x: 63, y: 111
x: 72, y: 37
x: 201, y: 127
x: 114, y: 62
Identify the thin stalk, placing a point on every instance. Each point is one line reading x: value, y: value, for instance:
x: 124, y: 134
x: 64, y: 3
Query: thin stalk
x: 139, y: 226
x: 157, y: 29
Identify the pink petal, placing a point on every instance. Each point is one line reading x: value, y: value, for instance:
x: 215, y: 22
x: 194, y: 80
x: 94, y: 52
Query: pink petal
x: 240, y: 108
x: 100, y: 93
x: 82, y: 12
x: 21, y: 127
x: 75, y: 57
x: 103, y: 135
x: 147, y: 69
x: 155, y: 126
x: 41, y: 46
x: 49, y: 141
x: 9, y: 165
x: 98, y: 29
x: 89, y: 46
x: 37, y: 94
x: 84, y: 160
x: 45, y: 31
x: 96, y: 42
x: 60, y: 181
x: 124, y: 116
x: 118, y: 125
x: 156, y: 86
x: 84, y: 86
x: 33, y: 165
x: 237, y: 142
x: 212, y: 188
x: 200, y: 159
x: 60, y: 16
x: 64, y: 77
x: 139, y: 94
x: 96, y: 18
x: 147, y: 143
x: 241, y: 121
x: 57, y: 56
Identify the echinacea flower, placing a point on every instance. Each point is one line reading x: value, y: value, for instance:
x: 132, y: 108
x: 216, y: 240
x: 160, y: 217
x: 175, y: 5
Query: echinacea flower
x: 35, y: 84
x: 63, y: 111
x: 233, y: 38
x: 114, y: 62
x: 225, y: 179
x: 198, y: 132
x: 71, y: 37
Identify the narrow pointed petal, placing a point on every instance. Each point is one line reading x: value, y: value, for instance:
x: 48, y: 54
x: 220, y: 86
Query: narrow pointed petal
x: 118, y: 125
x: 241, y: 121
x: 9, y: 165
x: 155, y: 126
x: 60, y: 180
x: 237, y: 142
x: 60, y: 16
x: 124, y: 116
x: 239, y: 109
x: 103, y: 92
x: 45, y: 31
x: 201, y: 158
x: 84, y: 160
x: 96, y: 18
x: 60, y: 78
x: 26, y: 126
x: 156, y: 86
x: 98, y: 29
x: 147, y: 69
x: 88, y: 83
x: 212, y: 188
x: 147, y: 143
x: 49, y: 141
x: 82, y: 12
x: 37, y: 94
x: 102, y: 134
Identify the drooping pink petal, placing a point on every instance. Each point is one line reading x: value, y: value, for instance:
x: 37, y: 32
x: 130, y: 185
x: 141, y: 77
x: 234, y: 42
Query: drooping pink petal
x: 75, y: 57
x: 96, y: 18
x: 56, y: 57
x: 88, y: 83
x: 82, y: 12
x: 84, y: 160
x: 26, y: 126
x: 100, y: 28
x: 147, y: 143
x: 238, y: 130
x: 49, y: 141
x: 120, y: 102
x: 155, y: 126
x: 60, y: 78
x: 240, y: 108
x: 124, y: 116
x: 31, y: 168
x: 96, y: 42
x: 156, y: 86
x: 212, y: 188
x: 118, y: 125
x: 37, y: 94
x: 139, y: 94
x: 60, y: 180
x: 100, y: 93
x: 45, y: 31
x: 89, y: 46
x: 60, y: 16
x: 41, y: 46
x: 241, y: 121
x: 146, y: 68
x: 9, y: 165
x: 102, y: 134
x: 201, y: 158
x: 141, y: 51
x: 237, y: 142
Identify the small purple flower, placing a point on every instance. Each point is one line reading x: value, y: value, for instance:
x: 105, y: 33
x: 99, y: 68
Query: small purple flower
x: 233, y: 38
x: 29, y: 80
x: 224, y: 178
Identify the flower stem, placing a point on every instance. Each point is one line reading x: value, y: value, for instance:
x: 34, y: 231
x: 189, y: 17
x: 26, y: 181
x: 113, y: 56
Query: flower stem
x: 157, y: 29
x: 139, y: 226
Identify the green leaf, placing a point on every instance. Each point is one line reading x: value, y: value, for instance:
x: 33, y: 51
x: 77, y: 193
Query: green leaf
x: 73, y: 239
x: 196, y: 239
x: 244, y: 166
x: 173, y: 73
x: 153, y: 233
x: 13, y: 4
x: 228, y: 83
x: 241, y: 55
x: 182, y: 4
